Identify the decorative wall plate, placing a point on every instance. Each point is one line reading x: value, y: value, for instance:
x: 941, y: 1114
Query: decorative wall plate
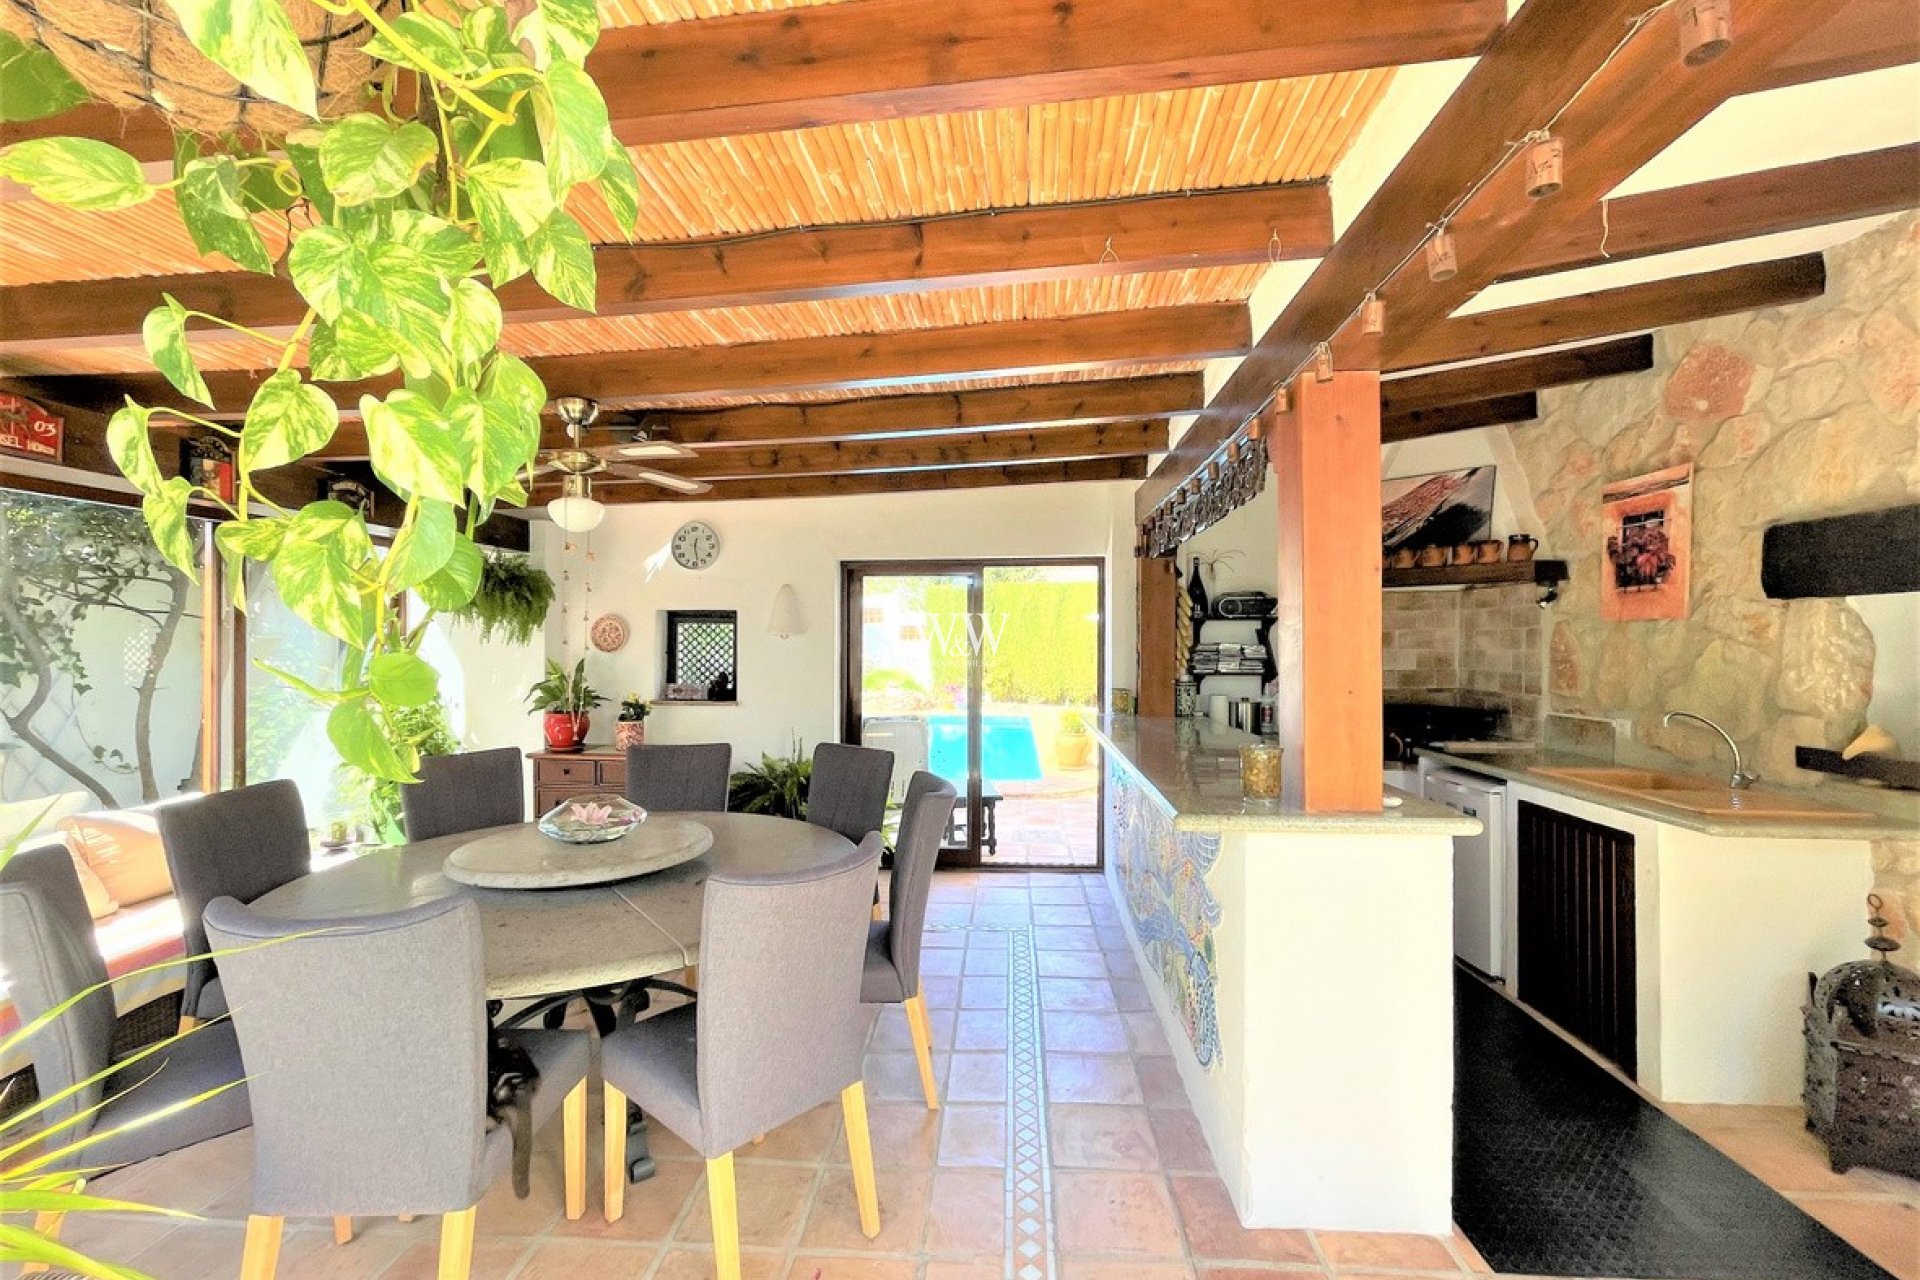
x: 608, y: 633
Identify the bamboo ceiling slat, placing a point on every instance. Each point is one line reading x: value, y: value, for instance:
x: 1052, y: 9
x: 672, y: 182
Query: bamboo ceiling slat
x: 966, y: 384
x: 634, y: 13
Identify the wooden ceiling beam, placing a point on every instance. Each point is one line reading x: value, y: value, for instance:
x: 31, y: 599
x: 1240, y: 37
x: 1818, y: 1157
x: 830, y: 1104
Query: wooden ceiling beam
x: 1635, y: 308
x: 1015, y: 246
x: 1046, y: 444
x: 1414, y: 424
x: 1108, y: 340
x: 1045, y: 404
x: 1736, y: 208
x: 1862, y: 35
x: 1478, y: 382
x: 983, y: 477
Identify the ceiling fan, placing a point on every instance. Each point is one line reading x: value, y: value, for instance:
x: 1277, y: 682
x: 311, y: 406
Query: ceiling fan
x: 576, y: 510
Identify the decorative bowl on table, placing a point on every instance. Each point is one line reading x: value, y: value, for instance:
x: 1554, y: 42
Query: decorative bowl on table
x: 591, y: 819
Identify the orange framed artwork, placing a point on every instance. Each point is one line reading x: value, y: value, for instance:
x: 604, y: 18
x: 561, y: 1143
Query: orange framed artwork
x: 1646, y: 570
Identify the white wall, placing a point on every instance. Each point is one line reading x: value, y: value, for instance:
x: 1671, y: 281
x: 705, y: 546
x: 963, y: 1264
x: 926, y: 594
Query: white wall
x: 790, y: 688
x: 1248, y: 540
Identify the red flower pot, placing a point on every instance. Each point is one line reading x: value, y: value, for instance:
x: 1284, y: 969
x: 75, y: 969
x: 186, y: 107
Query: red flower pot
x: 565, y: 730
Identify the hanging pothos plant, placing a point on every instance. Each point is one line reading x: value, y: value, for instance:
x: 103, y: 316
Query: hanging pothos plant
x: 401, y: 226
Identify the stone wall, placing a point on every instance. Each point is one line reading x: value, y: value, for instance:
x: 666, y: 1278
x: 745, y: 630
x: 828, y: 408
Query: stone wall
x: 1480, y: 645
x: 1788, y: 413
x: 1420, y: 641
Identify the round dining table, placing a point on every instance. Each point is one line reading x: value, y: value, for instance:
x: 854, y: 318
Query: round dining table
x: 540, y: 942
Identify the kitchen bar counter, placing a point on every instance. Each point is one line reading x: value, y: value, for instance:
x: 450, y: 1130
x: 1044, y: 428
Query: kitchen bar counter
x: 1195, y: 770
x: 1522, y: 766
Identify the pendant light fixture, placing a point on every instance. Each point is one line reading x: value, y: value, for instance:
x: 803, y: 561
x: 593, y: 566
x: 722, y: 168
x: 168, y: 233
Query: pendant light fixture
x: 575, y: 510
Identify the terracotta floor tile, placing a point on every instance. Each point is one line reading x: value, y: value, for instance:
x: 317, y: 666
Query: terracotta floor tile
x: 1018, y: 916
x: 772, y: 1201
x: 1182, y: 1143
x: 652, y: 1207
x: 363, y: 1257
x: 1068, y: 1031
x: 1130, y: 996
x: 1100, y: 1212
x: 1145, y: 1034
x: 834, y: 1223
x: 946, y: 939
x: 501, y: 1213
x: 941, y: 993
x: 1214, y: 1230
x: 891, y: 1033
x: 980, y: 1029
x: 1064, y: 938
x: 967, y: 1213
x: 973, y: 1134
x: 1269, y: 1271
x: 895, y: 1077
x: 1160, y: 1082
x: 1070, y: 964
x: 983, y: 991
x: 1090, y: 995
x: 1056, y: 895
x: 697, y: 1264
x: 977, y: 1077
x: 1063, y: 915
x: 1884, y: 1230
x: 976, y: 1269
x: 1083, y: 1077
x: 1101, y: 1269
x: 584, y: 1260
x: 492, y: 1260
x: 905, y: 1136
x: 1100, y: 1137
x: 943, y: 964
x: 824, y: 1268
x: 1002, y: 895
x: 1362, y: 1249
x: 114, y: 1237
x: 198, y: 1251
x: 810, y: 1137
x: 990, y: 958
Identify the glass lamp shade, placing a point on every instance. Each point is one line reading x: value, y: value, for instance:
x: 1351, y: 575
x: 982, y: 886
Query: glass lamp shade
x: 577, y: 514
x: 784, y: 620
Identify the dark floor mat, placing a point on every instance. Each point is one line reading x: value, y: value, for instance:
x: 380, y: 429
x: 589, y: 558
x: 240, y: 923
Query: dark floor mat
x: 1561, y: 1170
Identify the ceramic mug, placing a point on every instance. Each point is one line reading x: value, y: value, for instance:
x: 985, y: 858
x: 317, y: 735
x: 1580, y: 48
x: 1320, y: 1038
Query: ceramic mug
x: 1487, y: 551
x: 1401, y: 559
x: 1521, y: 546
x: 1463, y: 553
x: 1431, y: 557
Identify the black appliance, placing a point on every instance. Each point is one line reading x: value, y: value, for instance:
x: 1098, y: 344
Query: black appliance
x: 1244, y: 606
x: 1411, y: 725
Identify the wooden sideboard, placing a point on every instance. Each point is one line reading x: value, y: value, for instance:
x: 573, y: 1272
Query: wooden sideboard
x: 559, y: 774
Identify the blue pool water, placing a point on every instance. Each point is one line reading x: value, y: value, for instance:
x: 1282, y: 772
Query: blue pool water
x: 1008, y: 752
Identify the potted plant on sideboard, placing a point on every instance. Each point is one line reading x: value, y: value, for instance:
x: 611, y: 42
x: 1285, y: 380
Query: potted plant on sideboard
x: 566, y: 701
x: 1073, y: 748
x: 632, y: 729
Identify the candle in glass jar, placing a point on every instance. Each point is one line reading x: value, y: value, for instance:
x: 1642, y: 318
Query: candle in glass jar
x: 1260, y: 771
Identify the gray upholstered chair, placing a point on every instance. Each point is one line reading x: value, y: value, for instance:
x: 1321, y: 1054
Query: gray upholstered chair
x: 48, y: 956
x: 777, y: 1030
x: 465, y: 792
x: 892, y: 972
x: 240, y: 844
x: 669, y: 777
x: 848, y: 790
x: 365, y: 1042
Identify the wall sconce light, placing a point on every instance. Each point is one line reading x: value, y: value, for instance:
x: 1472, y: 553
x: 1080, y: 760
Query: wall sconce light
x: 784, y: 620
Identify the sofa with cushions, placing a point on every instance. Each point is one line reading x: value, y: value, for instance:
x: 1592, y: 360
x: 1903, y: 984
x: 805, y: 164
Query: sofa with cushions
x: 123, y: 871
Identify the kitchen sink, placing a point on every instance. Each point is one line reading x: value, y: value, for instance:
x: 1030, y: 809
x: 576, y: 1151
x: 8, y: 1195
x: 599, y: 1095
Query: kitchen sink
x: 1700, y: 795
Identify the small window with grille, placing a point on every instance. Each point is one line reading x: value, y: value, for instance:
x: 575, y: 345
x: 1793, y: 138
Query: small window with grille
x: 702, y: 653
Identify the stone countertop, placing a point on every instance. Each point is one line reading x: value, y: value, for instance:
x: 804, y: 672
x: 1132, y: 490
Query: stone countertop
x: 1519, y: 766
x: 1195, y: 769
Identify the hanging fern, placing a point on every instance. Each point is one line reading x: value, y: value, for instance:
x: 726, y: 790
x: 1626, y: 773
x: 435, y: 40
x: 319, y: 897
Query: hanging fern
x: 512, y: 601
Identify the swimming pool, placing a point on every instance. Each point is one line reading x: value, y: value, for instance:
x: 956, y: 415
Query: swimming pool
x: 1008, y: 751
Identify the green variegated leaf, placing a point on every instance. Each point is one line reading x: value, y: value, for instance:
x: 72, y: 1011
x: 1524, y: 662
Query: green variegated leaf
x: 485, y: 28
x: 165, y: 510
x: 558, y: 29
x: 473, y: 326
x: 421, y: 548
x: 511, y: 395
x: 255, y: 539
x: 326, y: 265
x: 350, y: 348
x: 287, y: 420
x: 132, y: 448
x: 261, y: 187
x: 165, y: 334
x: 356, y: 734
x: 402, y: 679
x: 327, y: 521
x: 440, y: 247
x: 80, y: 173
x: 435, y: 38
x: 620, y: 188
x: 210, y: 205
x: 317, y: 578
x: 303, y: 152
x: 563, y: 260
x: 459, y: 578
x: 574, y: 131
x: 254, y: 42
x: 33, y: 84
x: 413, y: 451
x: 511, y: 201
x: 365, y: 158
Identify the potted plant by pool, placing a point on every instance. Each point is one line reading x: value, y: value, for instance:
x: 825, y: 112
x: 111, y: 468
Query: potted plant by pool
x: 566, y: 701
x: 632, y: 729
x: 1073, y: 748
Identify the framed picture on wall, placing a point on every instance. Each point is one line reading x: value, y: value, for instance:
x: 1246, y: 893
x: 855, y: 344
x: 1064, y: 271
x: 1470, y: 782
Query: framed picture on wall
x: 1438, y: 510
x: 1646, y: 562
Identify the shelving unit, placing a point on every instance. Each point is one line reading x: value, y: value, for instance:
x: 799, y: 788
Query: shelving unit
x: 1541, y: 573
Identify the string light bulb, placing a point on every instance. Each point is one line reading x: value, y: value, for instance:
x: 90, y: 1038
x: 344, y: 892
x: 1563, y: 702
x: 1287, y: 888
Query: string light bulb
x: 1373, y: 317
x: 1706, y: 30
x: 1545, y: 159
x: 1323, y: 363
x: 1442, y: 264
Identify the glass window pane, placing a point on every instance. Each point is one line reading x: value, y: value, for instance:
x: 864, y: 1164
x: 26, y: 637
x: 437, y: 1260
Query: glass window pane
x: 287, y: 730
x: 99, y: 656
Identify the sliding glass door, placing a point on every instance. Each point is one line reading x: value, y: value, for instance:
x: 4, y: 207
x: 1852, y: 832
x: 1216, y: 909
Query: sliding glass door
x: 985, y: 673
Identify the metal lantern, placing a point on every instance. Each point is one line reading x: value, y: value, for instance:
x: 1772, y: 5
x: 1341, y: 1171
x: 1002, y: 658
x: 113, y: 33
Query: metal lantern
x: 1862, y: 1024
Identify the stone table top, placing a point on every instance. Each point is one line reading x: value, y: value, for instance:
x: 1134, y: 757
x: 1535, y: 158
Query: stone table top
x: 545, y: 941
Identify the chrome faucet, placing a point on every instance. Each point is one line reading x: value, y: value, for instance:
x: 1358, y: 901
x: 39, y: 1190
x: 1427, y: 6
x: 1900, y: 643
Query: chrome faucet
x: 1740, y: 777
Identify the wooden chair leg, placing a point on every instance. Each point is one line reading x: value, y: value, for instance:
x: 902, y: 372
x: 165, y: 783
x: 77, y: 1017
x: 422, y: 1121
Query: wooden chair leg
x: 879, y: 912
x: 408, y: 1217
x: 573, y: 1150
x: 690, y: 977
x: 343, y: 1230
x: 726, y: 1217
x: 615, y: 1174
x: 916, y: 1006
x: 187, y: 1023
x: 853, y: 1107
x: 262, y: 1253
x: 456, y: 1245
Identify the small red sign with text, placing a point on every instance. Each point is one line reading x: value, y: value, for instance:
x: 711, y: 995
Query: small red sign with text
x: 28, y: 431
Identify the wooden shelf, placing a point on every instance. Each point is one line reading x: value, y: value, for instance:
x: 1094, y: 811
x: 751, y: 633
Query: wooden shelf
x: 1536, y: 572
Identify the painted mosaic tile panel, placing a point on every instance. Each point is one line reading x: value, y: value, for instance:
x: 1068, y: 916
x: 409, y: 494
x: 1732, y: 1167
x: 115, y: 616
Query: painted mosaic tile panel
x: 1164, y: 876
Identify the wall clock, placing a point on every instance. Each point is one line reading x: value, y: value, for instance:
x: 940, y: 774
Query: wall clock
x: 695, y: 545
x: 608, y: 633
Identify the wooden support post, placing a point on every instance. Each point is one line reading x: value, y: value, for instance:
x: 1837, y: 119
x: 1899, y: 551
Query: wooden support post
x: 1326, y: 457
x: 1159, y: 584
